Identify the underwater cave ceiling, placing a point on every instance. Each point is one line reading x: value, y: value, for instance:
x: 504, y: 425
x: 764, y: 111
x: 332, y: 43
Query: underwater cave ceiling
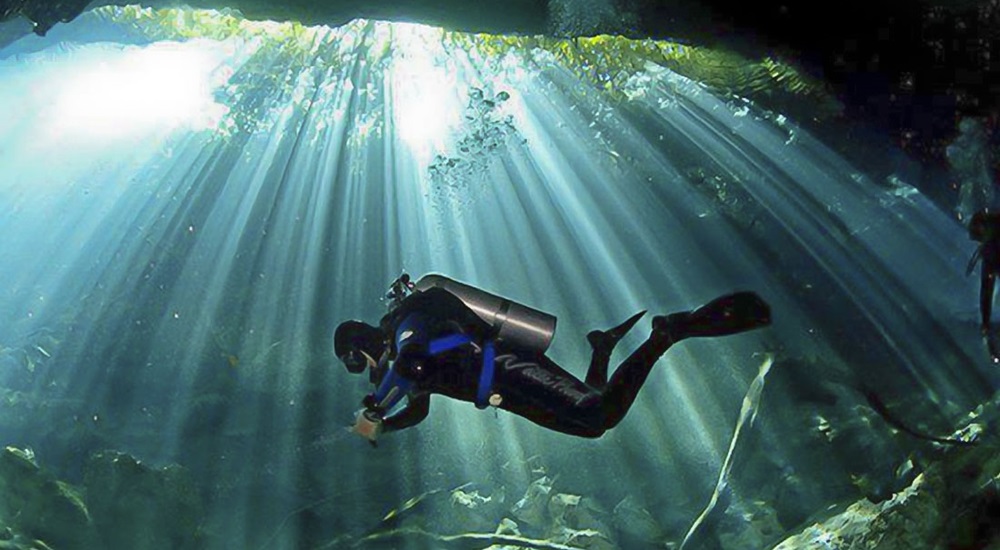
x: 910, y: 68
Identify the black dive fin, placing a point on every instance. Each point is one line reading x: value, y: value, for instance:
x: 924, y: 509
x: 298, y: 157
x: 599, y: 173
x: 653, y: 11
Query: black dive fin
x: 729, y: 314
x: 604, y: 341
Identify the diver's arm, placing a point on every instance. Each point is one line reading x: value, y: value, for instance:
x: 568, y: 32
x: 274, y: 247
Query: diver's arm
x: 370, y: 424
x: 415, y: 411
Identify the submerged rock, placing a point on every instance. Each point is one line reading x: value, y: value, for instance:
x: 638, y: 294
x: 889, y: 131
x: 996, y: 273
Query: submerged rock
x: 466, y: 517
x: 138, y: 507
x: 508, y: 527
x: 951, y: 502
x: 35, y: 505
x: 635, y: 523
x: 908, y: 521
x: 531, y: 509
x: 474, y: 511
x: 561, y: 517
x: 576, y: 521
x: 124, y: 504
x: 751, y: 524
x: 9, y: 540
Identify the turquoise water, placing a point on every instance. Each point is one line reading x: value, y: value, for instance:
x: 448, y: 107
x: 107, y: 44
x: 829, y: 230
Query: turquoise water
x: 186, y: 219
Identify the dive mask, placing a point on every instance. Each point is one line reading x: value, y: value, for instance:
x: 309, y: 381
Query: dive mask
x: 355, y: 361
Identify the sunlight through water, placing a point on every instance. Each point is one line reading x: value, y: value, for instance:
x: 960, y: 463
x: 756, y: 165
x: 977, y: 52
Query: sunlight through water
x: 191, y: 202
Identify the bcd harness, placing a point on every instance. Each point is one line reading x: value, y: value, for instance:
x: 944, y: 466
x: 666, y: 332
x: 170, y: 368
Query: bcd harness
x: 410, y: 333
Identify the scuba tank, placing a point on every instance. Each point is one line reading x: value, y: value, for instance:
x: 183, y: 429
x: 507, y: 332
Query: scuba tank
x: 513, y: 322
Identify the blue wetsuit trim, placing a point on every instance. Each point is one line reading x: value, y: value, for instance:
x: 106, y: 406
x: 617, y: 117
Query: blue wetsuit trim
x: 392, y: 389
x: 394, y: 386
x: 486, y: 376
x: 448, y: 343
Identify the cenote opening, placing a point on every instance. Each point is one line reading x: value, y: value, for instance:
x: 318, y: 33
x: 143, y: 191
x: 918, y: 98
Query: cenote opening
x: 191, y: 203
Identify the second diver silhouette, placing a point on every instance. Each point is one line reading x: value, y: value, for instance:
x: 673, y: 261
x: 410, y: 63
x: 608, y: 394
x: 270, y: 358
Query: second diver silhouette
x: 984, y: 227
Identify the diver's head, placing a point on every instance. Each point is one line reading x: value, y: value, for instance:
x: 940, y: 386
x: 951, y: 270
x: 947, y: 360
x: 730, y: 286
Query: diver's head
x: 358, y: 345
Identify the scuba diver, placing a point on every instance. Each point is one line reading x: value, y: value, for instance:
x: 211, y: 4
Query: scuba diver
x: 984, y: 227
x: 448, y: 338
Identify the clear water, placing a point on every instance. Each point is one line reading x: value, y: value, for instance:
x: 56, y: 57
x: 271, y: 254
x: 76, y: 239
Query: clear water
x: 187, y: 214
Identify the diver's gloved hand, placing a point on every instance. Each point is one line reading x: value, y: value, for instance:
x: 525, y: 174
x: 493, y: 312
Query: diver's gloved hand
x: 368, y: 424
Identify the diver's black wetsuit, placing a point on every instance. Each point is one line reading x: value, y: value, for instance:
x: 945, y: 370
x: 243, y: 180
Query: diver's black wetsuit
x: 528, y: 383
x: 985, y: 228
x: 990, y: 253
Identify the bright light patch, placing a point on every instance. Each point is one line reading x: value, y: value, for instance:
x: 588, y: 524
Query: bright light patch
x: 136, y: 90
x: 425, y: 95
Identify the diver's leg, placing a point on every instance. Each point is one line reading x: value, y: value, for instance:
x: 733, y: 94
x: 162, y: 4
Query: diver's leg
x: 603, y: 342
x: 728, y: 314
x: 986, y: 286
x: 622, y: 389
x: 597, y: 372
x: 534, y: 387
